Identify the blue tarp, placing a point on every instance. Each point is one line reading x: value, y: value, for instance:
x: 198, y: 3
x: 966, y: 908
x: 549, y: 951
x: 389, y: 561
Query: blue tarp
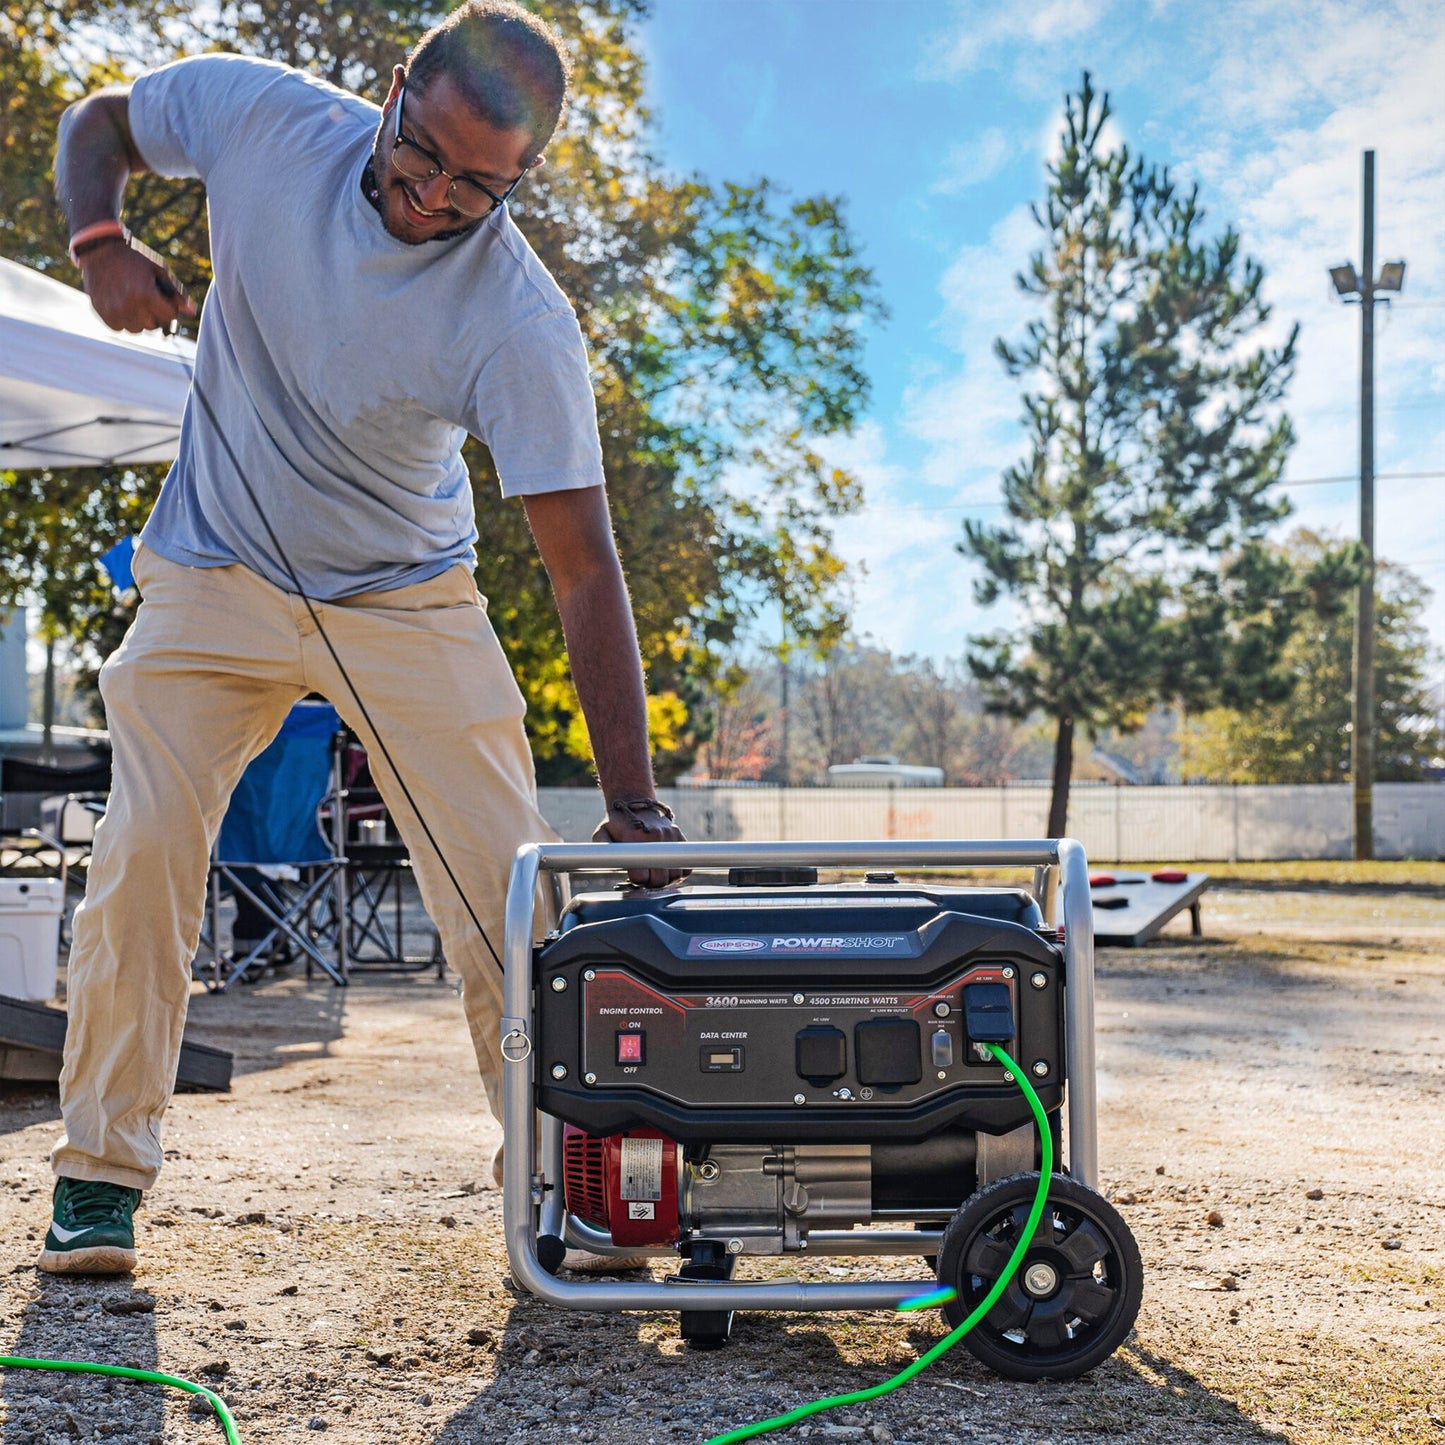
x: 272, y: 816
x: 117, y: 563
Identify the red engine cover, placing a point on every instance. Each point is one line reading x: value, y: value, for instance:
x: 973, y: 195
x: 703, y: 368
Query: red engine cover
x: 623, y: 1183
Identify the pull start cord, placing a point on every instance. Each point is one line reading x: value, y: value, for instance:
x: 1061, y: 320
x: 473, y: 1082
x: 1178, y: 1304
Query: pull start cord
x: 290, y: 571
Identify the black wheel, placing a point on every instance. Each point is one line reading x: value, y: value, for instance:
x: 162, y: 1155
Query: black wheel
x: 1077, y: 1289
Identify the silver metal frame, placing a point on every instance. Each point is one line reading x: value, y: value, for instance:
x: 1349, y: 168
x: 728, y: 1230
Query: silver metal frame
x: 532, y: 1186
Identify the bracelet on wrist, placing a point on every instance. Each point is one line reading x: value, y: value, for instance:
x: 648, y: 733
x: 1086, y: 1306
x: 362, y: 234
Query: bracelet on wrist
x: 98, y: 233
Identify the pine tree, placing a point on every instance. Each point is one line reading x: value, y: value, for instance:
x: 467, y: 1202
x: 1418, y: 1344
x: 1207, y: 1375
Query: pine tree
x: 1133, y: 547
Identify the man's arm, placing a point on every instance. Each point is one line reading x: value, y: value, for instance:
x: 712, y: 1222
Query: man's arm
x: 573, y: 532
x: 95, y: 155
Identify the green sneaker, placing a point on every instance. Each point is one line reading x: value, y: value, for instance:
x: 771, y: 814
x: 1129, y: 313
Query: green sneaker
x: 91, y: 1229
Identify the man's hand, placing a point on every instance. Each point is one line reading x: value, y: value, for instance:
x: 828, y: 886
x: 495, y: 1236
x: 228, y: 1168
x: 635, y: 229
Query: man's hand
x: 129, y: 285
x: 129, y: 291
x: 642, y: 820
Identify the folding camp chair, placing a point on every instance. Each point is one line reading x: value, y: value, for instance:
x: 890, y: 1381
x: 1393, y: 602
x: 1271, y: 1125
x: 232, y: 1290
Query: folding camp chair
x: 273, y: 854
x: 381, y: 902
x: 48, y: 816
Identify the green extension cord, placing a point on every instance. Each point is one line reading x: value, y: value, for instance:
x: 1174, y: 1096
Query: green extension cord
x: 857, y: 1397
x: 743, y: 1432
x: 85, y: 1367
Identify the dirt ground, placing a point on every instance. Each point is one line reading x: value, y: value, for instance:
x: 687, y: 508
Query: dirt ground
x: 324, y: 1247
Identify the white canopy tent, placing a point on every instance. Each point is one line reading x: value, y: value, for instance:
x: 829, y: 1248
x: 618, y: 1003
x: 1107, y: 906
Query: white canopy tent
x: 74, y: 393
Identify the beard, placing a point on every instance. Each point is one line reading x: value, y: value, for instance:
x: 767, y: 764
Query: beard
x: 376, y: 193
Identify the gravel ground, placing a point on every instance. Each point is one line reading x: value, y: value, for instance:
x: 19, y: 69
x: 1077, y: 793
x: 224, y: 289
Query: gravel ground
x: 324, y: 1247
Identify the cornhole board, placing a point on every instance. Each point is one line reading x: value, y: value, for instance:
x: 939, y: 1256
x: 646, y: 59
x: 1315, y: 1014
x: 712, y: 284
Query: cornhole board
x: 32, y: 1037
x: 1133, y: 909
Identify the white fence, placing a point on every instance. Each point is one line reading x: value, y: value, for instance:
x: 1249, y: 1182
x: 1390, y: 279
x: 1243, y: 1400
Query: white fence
x: 1124, y: 824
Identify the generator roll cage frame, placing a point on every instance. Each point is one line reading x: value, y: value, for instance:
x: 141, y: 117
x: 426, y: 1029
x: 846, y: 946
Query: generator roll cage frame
x: 532, y: 1203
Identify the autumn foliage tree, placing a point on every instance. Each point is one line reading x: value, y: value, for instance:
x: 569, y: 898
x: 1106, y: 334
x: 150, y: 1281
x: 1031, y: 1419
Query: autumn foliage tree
x: 725, y: 326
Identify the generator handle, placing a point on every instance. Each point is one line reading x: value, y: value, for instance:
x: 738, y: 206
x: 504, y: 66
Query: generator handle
x: 946, y: 853
x: 520, y: 1062
x: 1078, y: 921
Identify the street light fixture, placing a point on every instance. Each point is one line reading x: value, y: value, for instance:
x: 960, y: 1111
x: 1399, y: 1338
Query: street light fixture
x: 1354, y: 285
x: 1347, y: 279
x: 1347, y: 283
x: 1392, y: 276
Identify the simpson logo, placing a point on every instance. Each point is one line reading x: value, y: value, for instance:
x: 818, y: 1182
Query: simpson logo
x: 731, y: 945
x: 847, y: 943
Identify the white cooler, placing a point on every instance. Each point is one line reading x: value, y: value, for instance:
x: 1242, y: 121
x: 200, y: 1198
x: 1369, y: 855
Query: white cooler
x: 30, y: 910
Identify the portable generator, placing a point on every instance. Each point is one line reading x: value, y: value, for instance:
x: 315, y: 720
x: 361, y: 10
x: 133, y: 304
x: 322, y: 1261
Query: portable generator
x: 769, y: 1066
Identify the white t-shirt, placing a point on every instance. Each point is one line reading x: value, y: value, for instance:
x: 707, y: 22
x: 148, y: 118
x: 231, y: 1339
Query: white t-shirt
x: 344, y: 367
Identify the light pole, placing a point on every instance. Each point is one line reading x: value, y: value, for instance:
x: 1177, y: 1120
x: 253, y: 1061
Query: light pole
x: 1363, y: 287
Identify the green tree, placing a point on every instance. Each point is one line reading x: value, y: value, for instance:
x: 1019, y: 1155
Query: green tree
x: 726, y: 328
x: 1305, y: 736
x: 55, y: 527
x: 34, y: 95
x: 1134, y: 541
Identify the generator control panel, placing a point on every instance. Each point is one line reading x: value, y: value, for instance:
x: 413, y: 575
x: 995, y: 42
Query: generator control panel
x: 729, y: 1014
x: 768, y: 1045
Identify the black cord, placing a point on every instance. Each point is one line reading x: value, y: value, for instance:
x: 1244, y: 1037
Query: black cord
x: 340, y: 666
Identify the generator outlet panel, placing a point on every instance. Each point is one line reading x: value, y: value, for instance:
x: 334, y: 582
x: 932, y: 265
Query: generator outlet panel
x: 828, y: 1012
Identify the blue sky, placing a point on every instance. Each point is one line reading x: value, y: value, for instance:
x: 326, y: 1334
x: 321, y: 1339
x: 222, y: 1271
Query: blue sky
x: 933, y: 119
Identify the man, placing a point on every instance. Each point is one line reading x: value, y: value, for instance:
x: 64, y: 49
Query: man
x: 372, y: 303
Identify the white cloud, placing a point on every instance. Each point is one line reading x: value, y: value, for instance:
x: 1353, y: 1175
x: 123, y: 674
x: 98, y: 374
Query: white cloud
x: 974, y: 161
x: 912, y: 591
x: 969, y: 418
x: 1359, y: 79
x: 982, y: 28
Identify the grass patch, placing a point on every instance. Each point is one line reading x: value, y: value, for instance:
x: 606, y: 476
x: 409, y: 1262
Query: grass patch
x: 1378, y: 873
x: 1374, y: 872
x: 1327, y: 1390
x: 1388, y: 1271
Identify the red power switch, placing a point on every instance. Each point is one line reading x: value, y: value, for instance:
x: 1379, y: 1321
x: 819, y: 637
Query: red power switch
x: 630, y: 1047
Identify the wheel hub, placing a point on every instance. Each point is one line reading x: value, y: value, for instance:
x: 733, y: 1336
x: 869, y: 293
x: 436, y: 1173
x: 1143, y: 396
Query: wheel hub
x: 1041, y: 1280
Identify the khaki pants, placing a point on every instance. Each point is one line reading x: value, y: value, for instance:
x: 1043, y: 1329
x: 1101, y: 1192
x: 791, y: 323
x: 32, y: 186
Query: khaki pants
x: 202, y: 682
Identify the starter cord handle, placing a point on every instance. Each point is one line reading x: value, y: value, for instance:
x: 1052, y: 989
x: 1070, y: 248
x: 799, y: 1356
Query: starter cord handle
x: 873, y: 1392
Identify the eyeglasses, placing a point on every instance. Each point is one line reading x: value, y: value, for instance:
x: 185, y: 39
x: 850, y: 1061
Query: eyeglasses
x: 416, y: 163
